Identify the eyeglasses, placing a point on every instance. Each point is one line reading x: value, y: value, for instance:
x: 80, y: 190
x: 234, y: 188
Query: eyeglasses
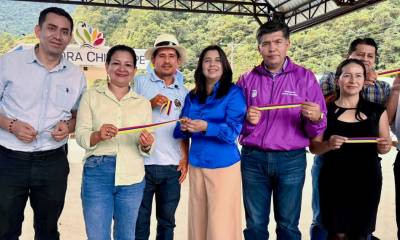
x: 165, y: 43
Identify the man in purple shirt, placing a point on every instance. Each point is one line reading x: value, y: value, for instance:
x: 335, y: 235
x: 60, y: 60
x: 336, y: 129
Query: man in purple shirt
x: 274, y: 141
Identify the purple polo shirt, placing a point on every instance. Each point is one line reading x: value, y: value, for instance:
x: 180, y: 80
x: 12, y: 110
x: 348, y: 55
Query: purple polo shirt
x: 281, y: 129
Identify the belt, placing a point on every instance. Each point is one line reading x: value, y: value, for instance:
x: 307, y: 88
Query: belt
x: 21, y: 154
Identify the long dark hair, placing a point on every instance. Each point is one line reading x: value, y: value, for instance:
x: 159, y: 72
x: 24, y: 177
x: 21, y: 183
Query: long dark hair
x: 339, y: 72
x: 225, y: 82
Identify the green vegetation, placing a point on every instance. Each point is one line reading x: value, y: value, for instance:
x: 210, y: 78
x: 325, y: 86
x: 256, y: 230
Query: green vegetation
x: 319, y: 48
x: 19, y: 18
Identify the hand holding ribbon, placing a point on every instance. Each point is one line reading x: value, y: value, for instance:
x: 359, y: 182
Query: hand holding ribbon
x: 311, y: 111
x: 107, y: 131
x: 384, y: 144
x: 193, y: 126
x: 253, y: 115
x: 146, y: 139
x: 335, y: 142
x: 158, y: 101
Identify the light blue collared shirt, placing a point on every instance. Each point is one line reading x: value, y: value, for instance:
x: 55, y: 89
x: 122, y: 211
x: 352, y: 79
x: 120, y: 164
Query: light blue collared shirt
x: 41, y: 98
x: 166, y: 149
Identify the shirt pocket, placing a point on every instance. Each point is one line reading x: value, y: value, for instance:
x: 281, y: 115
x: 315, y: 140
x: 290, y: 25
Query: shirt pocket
x: 65, y: 97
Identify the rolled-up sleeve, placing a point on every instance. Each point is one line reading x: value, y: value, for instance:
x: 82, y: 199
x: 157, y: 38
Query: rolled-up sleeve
x: 314, y: 95
x: 229, y: 130
x: 84, y: 123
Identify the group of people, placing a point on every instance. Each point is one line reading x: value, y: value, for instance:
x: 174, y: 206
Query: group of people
x: 276, y: 110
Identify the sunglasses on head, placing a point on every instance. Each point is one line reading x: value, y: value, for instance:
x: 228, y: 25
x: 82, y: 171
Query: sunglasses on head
x: 165, y: 43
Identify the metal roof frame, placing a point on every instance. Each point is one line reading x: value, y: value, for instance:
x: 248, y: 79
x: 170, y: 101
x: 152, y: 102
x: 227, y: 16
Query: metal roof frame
x: 298, y: 14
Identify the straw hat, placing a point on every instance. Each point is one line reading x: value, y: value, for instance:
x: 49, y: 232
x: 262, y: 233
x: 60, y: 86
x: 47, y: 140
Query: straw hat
x: 167, y: 41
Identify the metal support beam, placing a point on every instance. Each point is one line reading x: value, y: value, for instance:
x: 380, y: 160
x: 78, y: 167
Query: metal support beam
x: 317, y: 12
x: 231, y: 7
x: 307, y: 14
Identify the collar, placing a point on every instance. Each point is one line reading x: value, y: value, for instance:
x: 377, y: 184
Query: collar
x: 32, y: 58
x: 178, y: 77
x: 285, y: 63
x: 215, y: 88
x: 106, y: 91
x: 288, y: 66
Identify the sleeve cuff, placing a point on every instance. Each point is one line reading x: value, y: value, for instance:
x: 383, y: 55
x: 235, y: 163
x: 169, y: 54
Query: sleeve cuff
x: 178, y: 133
x: 212, y: 129
x: 148, y: 153
x: 84, y: 141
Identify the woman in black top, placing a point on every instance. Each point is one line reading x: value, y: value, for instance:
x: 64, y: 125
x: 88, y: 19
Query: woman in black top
x: 351, y: 179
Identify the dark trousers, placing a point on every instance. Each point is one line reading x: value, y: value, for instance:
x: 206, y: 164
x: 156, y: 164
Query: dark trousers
x: 163, y: 182
x: 396, y: 170
x: 41, y: 177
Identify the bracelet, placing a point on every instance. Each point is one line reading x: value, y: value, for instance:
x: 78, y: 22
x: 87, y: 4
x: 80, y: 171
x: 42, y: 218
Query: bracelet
x: 145, y: 149
x: 11, y: 124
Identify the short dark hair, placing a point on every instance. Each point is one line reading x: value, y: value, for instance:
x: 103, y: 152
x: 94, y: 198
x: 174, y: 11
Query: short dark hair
x: 273, y: 26
x: 156, y: 51
x: 366, y: 41
x: 122, y: 48
x: 57, y: 11
x: 225, y: 82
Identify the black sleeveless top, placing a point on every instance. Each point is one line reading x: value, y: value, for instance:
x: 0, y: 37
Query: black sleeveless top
x: 351, y: 179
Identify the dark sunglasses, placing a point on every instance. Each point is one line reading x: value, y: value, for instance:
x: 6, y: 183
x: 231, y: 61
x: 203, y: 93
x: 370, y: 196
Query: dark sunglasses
x: 165, y: 43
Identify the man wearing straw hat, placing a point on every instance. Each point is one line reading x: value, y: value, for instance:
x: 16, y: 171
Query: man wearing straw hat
x: 166, y: 167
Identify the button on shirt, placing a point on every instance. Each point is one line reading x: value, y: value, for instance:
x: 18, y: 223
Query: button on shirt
x: 99, y: 106
x: 37, y: 96
x: 167, y: 150
x: 216, y: 147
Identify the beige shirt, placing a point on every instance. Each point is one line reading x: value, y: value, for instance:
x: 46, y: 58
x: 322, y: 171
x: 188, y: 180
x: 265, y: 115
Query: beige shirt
x: 99, y: 106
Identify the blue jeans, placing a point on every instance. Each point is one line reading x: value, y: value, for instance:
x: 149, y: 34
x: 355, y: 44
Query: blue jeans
x: 163, y: 182
x: 102, y: 201
x: 279, y: 174
x: 317, y: 232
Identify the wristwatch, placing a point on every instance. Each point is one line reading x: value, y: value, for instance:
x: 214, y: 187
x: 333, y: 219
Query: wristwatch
x: 321, y: 116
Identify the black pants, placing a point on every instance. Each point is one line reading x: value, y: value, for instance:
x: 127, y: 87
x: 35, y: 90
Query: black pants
x: 41, y: 176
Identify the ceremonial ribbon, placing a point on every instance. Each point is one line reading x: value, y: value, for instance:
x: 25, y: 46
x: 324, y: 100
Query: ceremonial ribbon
x: 147, y: 126
x: 389, y: 72
x: 278, y: 106
x: 362, y: 140
x: 166, y: 107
